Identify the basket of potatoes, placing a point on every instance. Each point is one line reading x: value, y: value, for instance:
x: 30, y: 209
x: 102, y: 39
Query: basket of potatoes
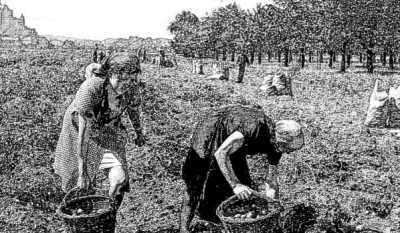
x: 87, y: 212
x: 257, y: 214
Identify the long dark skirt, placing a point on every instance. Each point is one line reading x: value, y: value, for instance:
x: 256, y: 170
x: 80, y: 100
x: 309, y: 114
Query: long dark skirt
x: 207, y: 186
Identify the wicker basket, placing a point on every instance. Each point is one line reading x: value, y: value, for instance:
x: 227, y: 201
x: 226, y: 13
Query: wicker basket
x: 98, y: 213
x: 268, y: 223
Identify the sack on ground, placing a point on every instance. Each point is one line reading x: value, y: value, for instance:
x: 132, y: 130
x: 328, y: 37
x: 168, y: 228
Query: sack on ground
x: 278, y: 84
x: 216, y: 76
x: 377, y: 113
x: 288, y: 86
x: 216, y: 68
x: 225, y: 72
x: 279, y: 81
x: 197, y: 67
x: 394, y: 108
x: 267, y: 85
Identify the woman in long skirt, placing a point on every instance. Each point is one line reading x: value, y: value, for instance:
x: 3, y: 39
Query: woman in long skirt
x: 216, y: 167
x: 93, y: 137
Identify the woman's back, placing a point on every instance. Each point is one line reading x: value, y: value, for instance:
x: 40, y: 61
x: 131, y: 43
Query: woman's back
x: 216, y: 126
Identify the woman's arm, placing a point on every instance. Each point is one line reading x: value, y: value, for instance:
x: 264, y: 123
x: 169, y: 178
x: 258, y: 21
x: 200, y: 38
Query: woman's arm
x: 83, y: 179
x: 134, y: 111
x: 272, y: 181
x: 134, y: 118
x: 228, y: 147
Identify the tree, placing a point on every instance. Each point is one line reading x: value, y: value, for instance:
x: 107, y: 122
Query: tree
x: 265, y: 19
x: 183, y: 28
x: 368, y: 25
x: 390, y: 29
x: 297, y: 28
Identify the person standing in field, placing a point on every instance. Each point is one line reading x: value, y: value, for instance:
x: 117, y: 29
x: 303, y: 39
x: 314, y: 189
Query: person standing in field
x: 241, y: 61
x: 216, y: 168
x: 93, y: 137
x: 102, y: 55
x: 95, y: 53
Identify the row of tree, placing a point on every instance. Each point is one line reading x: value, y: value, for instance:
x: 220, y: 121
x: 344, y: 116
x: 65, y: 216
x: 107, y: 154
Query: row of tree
x: 299, y: 27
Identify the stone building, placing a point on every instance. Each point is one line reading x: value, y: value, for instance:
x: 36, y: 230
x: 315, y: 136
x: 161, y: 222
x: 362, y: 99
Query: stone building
x: 13, y: 30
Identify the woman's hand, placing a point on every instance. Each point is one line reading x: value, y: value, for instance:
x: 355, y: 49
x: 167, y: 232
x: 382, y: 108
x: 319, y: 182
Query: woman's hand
x: 242, y: 191
x: 271, y: 191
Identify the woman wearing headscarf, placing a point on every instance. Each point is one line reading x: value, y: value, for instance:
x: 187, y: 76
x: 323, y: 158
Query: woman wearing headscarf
x: 93, y: 137
x: 92, y: 70
x: 216, y: 167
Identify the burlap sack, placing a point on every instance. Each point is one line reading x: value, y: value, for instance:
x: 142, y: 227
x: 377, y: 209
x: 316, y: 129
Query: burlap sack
x: 394, y: 108
x: 225, y: 72
x: 197, y: 67
x: 267, y: 85
x: 216, y: 76
x: 377, y: 113
x: 279, y: 81
x: 288, y: 86
x: 216, y: 68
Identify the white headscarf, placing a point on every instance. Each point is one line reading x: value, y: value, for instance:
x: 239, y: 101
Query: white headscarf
x: 91, y: 70
x: 291, y: 132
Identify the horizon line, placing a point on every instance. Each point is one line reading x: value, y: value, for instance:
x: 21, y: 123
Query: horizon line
x: 108, y: 38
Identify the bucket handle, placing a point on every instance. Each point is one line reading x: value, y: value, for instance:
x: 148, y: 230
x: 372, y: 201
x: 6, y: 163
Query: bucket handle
x: 88, y: 192
x: 71, y: 191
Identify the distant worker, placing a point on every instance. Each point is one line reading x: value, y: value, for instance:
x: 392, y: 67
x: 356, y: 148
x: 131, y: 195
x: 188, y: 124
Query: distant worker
x: 95, y: 53
x: 102, y: 55
x: 241, y: 61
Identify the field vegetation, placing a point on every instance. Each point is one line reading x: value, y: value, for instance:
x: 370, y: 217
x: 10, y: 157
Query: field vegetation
x: 348, y: 173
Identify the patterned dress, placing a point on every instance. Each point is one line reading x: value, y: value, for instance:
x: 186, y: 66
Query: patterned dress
x: 104, y: 110
x: 206, y: 185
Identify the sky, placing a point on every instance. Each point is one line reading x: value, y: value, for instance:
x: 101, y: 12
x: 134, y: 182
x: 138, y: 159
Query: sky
x: 99, y: 19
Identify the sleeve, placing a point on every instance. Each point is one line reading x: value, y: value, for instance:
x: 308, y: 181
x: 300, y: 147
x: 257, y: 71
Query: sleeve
x: 86, y: 100
x: 274, y: 157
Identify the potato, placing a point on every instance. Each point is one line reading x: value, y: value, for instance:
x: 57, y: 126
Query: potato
x: 79, y: 211
x: 100, y: 211
x: 251, y: 214
x: 237, y: 216
x: 264, y: 212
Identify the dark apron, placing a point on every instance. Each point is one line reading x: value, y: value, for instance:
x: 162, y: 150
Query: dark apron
x: 207, y: 186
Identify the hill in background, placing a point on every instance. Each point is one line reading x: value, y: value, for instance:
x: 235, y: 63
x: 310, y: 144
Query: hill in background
x: 132, y: 42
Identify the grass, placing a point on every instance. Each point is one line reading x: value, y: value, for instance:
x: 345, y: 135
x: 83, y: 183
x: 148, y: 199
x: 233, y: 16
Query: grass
x: 348, y: 173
